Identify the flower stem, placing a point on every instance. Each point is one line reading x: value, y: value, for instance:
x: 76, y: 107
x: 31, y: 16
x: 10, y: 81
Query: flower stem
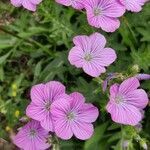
x: 121, y: 144
x: 56, y: 144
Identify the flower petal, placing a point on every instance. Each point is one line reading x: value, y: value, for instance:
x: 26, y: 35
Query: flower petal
x: 41, y: 140
x: 98, y: 42
x: 77, y: 4
x: 37, y: 94
x: 114, y: 90
x: 82, y: 130
x: 134, y: 5
x: 129, y: 85
x: 21, y: 138
x: 105, y: 57
x: 28, y: 5
x: 47, y: 122
x: 76, y: 56
x: 93, y: 69
x: 112, y: 8
x: 64, y: 2
x: 137, y: 98
x: 53, y: 90
x: 63, y: 129
x: 16, y: 3
x: 77, y: 100
x: 83, y: 42
x: 107, y: 24
x: 35, y: 2
x: 88, y: 113
x: 35, y: 112
x: 124, y: 113
x: 62, y: 104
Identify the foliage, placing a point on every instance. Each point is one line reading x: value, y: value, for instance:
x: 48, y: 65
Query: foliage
x: 34, y: 49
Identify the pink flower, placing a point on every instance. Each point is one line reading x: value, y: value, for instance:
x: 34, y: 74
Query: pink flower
x: 32, y: 137
x: 77, y: 4
x: 133, y: 5
x: 43, y: 95
x: 28, y: 4
x: 127, y: 102
x: 73, y: 116
x: 89, y: 53
x: 104, y: 14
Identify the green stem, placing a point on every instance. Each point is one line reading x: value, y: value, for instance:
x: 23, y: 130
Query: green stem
x: 121, y: 144
x: 56, y: 144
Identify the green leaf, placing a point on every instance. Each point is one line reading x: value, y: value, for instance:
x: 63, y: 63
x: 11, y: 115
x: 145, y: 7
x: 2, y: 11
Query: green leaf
x: 4, y: 57
x: 98, y: 134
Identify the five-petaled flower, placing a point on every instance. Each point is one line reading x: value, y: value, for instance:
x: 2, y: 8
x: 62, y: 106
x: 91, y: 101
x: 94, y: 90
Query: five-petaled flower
x: 127, y: 102
x: 90, y: 54
x: 32, y: 137
x: 72, y: 116
x: 42, y: 96
x: 104, y: 14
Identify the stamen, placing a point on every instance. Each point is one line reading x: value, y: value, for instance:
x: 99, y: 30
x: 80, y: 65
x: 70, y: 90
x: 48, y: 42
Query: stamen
x: 32, y: 133
x: 97, y: 11
x: 88, y: 57
x: 119, y: 99
x: 70, y: 116
x: 47, y: 106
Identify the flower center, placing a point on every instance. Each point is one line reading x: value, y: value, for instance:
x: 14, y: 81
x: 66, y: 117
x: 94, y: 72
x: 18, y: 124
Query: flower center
x: 87, y: 57
x: 70, y: 116
x: 97, y: 11
x: 47, y: 106
x: 32, y: 133
x: 119, y: 99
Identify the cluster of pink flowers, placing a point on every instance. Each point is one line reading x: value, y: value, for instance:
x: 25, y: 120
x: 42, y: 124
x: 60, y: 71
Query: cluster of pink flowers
x: 104, y: 14
x: 53, y: 110
x: 100, y: 14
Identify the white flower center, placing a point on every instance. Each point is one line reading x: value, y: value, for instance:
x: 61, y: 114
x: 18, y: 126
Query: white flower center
x: 47, y: 106
x: 32, y: 133
x: 70, y: 116
x: 97, y: 11
x: 88, y: 57
x: 119, y: 99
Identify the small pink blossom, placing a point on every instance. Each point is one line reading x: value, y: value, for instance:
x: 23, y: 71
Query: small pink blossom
x: 104, y: 14
x: 127, y: 102
x: 77, y: 4
x: 42, y: 96
x: 90, y: 54
x: 28, y: 4
x: 32, y: 137
x: 133, y: 5
x: 72, y: 116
